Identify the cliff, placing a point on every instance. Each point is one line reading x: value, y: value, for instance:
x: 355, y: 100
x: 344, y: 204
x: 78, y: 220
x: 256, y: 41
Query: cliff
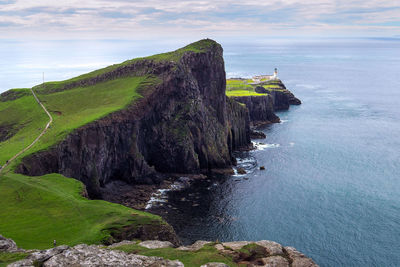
x: 182, y: 124
x: 261, y: 108
x: 262, y: 99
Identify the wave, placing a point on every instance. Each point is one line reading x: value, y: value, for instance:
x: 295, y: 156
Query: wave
x: 262, y: 146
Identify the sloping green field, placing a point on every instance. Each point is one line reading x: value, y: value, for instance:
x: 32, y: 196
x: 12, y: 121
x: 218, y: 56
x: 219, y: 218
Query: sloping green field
x: 25, y: 119
x: 34, y: 211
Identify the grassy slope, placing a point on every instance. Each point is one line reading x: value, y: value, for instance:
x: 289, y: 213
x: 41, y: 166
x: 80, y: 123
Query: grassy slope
x: 36, y: 210
x: 25, y: 116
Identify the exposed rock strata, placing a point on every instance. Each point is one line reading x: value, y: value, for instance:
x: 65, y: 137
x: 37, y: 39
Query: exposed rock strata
x: 185, y: 124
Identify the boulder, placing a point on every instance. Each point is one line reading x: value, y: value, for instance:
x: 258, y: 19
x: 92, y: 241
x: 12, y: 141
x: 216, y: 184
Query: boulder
x: 299, y: 259
x: 236, y: 245
x: 84, y: 255
x: 156, y: 244
x: 195, y: 246
x: 275, y: 261
x: 257, y: 135
x: 7, y: 245
x: 273, y: 248
x: 214, y: 264
x: 241, y: 171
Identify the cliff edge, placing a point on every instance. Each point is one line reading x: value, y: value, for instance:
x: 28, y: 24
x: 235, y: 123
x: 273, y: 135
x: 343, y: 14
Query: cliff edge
x: 183, y: 123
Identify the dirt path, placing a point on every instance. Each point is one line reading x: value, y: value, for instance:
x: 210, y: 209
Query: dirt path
x: 37, y: 138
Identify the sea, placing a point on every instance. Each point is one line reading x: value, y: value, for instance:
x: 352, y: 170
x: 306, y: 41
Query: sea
x: 331, y: 184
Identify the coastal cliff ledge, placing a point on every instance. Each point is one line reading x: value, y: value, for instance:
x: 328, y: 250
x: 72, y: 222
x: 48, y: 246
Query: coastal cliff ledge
x: 262, y: 99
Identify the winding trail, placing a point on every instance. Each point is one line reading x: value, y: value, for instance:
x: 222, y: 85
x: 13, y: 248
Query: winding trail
x: 37, y: 138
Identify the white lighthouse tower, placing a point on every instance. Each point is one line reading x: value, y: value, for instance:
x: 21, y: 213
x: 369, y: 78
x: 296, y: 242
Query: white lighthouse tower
x: 275, y: 76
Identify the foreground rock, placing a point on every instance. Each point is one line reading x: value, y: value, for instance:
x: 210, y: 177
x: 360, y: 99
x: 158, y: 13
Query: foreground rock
x: 249, y: 253
x: 7, y: 245
x: 84, y: 255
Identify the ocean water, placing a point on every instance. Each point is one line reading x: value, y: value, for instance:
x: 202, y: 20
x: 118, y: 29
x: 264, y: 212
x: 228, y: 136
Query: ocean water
x: 331, y: 187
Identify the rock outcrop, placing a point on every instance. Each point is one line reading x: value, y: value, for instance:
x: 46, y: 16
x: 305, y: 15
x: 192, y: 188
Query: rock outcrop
x: 84, y: 255
x: 249, y: 253
x: 183, y: 124
x: 261, y: 108
x: 7, y: 245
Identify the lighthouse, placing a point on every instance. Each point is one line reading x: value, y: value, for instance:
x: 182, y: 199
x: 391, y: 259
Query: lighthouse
x: 275, y: 76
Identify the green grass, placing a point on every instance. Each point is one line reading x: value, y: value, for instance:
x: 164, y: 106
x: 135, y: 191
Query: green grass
x: 189, y: 258
x: 243, y: 87
x: 36, y: 210
x: 25, y: 118
x: 240, y: 87
x: 243, y: 93
x: 8, y: 257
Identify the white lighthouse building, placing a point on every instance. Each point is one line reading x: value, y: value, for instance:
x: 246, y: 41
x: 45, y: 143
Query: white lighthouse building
x: 261, y: 78
x: 275, y: 75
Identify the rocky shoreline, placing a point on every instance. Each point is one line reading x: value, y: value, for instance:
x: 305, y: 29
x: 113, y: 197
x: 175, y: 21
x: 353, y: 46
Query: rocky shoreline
x: 260, y: 253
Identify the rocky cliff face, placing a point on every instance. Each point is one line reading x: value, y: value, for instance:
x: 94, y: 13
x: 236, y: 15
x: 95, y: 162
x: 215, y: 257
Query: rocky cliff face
x: 261, y: 108
x: 184, y: 124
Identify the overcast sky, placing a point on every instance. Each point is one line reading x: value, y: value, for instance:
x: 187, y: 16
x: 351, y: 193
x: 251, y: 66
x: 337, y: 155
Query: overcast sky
x: 94, y: 19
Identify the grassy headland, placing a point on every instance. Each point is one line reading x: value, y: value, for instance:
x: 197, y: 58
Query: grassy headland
x: 246, y: 87
x: 36, y: 210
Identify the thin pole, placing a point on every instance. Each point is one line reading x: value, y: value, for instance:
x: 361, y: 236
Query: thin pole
x: 43, y: 77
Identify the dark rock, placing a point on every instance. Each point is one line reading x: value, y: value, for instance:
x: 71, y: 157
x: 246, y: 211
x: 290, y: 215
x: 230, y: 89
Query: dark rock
x: 152, y: 231
x: 7, y: 131
x: 261, y: 108
x: 260, y: 90
x: 262, y: 168
x: 257, y: 135
x: 13, y: 94
x: 241, y: 171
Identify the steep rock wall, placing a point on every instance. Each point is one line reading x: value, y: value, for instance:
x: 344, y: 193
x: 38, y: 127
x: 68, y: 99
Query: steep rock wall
x: 261, y: 108
x: 182, y: 125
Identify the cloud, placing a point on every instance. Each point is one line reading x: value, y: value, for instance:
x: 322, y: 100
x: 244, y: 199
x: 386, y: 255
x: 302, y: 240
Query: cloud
x: 119, y: 18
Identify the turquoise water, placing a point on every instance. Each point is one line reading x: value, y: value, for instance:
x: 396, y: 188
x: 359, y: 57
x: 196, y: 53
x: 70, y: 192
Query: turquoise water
x: 332, y: 182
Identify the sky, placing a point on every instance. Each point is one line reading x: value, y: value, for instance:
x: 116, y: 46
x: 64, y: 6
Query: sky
x: 152, y: 19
